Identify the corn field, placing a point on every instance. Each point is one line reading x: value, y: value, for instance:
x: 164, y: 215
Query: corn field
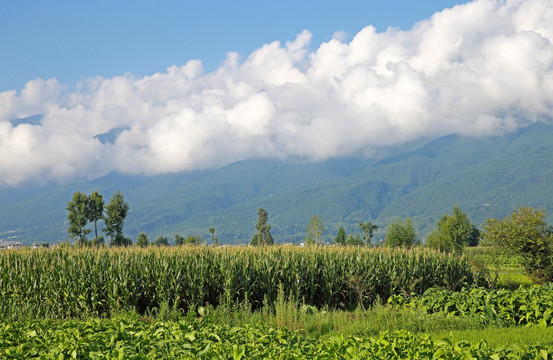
x: 64, y: 283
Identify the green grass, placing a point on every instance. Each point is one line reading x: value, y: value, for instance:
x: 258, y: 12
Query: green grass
x: 314, y: 323
x: 505, y: 270
x: 502, y: 336
x: 492, y: 257
x: 514, y: 278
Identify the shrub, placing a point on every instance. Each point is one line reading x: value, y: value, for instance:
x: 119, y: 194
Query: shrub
x: 525, y: 233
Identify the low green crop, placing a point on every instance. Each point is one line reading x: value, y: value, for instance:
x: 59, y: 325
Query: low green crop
x: 132, y: 338
x: 526, y: 305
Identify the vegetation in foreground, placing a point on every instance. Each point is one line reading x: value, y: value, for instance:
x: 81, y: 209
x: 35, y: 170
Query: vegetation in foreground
x: 129, y: 336
x: 533, y: 305
x: 422, y: 319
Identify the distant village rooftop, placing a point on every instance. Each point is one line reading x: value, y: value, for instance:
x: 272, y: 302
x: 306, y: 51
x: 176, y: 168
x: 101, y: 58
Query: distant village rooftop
x: 10, y: 245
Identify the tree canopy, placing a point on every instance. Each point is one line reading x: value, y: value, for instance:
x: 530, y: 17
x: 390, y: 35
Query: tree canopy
x: 401, y: 233
x: 78, y: 218
x: 453, y: 233
x: 368, y: 229
x: 95, y: 209
x: 142, y: 240
x: 341, y: 236
x: 215, y: 240
x: 263, y: 236
x: 526, y: 233
x: 315, y: 231
x: 116, y: 212
x: 161, y: 241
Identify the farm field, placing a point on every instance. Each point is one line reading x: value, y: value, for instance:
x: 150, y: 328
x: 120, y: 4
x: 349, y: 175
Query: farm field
x: 255, y: 303
x: 129, y: 338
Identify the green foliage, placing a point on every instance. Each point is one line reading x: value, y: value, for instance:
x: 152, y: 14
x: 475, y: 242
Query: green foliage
x: 116, y: 212
x: 215, y: 240
x: 523, y: 306
x: 194, y: 240
x: 401, y: 233
x: 453, y: 233
x: 142, y: 240
x: 494, y: 257
x: 341, y: 237
x: 120, y: 240
x: 111, y: 279
x: 368, y: 229
x: 355, y: 240
x: 78, y: 218
x: 95, y: 209
x: 263, y: 236
x: 98, y: 241
x: 179, y: 240
x: 128, y: 337
x: 315, y: 231
x: 484, y: 176
x: 525, y: 233
x: 161, y: 241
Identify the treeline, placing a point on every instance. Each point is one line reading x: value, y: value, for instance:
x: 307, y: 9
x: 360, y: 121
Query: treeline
x: 143, y: 240
x: 524, y: 233
x: 453, y: 233
x: 83, y: 209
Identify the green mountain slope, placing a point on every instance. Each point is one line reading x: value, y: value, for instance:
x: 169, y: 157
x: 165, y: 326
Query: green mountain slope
x: 487, y: 177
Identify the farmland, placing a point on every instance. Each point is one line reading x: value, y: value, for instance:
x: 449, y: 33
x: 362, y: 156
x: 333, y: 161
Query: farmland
x: 95, y: 282
x: 270, y: 302
x: 203, y: 339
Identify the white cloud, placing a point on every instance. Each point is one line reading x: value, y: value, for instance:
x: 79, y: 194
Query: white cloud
x: 478, y: 69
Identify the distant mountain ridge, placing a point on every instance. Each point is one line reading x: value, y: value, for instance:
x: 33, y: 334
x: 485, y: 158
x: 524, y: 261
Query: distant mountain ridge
x: 486, y: 177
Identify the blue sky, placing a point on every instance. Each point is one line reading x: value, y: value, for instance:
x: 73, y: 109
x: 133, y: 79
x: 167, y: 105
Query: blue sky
x: 309, y: 80
x: 73, y: 40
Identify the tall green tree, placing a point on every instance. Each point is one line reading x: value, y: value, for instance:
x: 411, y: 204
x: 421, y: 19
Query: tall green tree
x: 263, y: 236
x: 525, y: 233
x: 142, y: 240
x: 453, y: 233
x: 315, y: 231
x: 401, y: 233
x: 78, y: 218
x: 355, y: 240
x: 115, y: 214
x: 341, y: 237
x: 95, y: 209
x: 368, y: 229
x: 179, y: 240
x: 161, y: 241
x: 215, y: 240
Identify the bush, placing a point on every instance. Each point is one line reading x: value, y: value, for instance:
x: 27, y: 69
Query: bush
x: 525, y: 233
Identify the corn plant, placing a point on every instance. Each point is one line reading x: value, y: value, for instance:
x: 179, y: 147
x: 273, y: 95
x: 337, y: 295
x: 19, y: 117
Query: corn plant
x: 81, y: 282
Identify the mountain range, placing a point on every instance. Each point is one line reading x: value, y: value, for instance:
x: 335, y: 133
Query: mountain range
x: 487, y: 177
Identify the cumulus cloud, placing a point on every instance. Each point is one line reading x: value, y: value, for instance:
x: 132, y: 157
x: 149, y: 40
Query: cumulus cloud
x: 478, y: 69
